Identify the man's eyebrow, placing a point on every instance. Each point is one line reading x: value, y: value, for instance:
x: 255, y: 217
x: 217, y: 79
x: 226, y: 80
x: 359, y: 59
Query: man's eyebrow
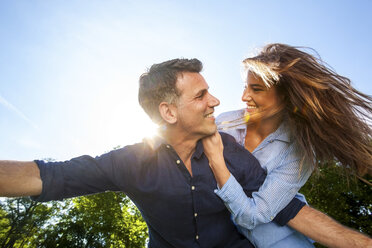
x: 201, y: 92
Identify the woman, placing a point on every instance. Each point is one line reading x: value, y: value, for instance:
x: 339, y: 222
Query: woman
x: 299, y: 113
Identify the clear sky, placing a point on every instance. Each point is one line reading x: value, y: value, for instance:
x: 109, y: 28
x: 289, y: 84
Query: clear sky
x: 69, y: 69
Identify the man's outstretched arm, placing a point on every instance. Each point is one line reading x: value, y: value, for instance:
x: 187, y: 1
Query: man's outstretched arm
x: 326, y: 231
x: 19, y: 179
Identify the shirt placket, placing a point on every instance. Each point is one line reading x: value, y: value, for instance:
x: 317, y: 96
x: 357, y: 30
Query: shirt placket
x: 192, y: 185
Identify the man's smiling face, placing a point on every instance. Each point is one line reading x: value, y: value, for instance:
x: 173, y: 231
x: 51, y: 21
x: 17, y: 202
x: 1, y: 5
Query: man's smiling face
x: 195, y: 105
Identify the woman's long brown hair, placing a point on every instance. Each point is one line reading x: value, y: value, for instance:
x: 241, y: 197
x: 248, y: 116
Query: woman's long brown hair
x: 328, y: 118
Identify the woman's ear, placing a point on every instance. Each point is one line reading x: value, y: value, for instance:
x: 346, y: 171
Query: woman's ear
x: 168, y: 112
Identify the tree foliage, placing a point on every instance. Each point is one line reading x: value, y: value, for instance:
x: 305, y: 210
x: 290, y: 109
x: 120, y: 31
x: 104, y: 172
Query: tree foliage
x: 20, y: 219
x: 347, y: 200
x: 102, y: 220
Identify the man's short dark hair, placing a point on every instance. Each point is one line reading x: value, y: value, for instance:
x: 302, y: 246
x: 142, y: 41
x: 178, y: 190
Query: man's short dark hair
x: 158, y: 84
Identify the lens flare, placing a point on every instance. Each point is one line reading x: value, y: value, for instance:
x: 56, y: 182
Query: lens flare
x: 246, y: 117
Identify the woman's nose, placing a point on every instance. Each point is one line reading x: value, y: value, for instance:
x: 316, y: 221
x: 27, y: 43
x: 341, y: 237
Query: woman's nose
x: 246, y: 96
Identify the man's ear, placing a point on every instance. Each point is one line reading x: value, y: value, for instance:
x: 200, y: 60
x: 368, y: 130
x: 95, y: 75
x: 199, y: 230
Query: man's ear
x: 168, y: 112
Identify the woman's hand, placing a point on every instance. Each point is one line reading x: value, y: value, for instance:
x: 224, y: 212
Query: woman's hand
x: 213, y: 149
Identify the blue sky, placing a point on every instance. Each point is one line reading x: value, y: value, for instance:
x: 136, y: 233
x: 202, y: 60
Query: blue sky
x: 69, y: 69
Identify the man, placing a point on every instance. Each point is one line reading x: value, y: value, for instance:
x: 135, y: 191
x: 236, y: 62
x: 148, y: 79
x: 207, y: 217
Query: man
x: 168, y: 178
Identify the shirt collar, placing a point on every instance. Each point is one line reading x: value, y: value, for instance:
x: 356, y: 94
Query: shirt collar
x: 199, y: 149
x: 281, y: 133
x: 157, y: 141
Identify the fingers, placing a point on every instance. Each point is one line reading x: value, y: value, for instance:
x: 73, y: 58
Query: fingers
x: 213, y: 146
x: 214, y: 139
x: 210, y: 142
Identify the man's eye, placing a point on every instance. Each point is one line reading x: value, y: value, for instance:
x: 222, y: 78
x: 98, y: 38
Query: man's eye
x: 200, y: 96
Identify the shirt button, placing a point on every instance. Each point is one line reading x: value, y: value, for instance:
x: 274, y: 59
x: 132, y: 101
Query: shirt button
x: 195, y: 214
x: 168, y: 146
x: 197, y: 237
x: 271, y: 217
x: 192, y: 187
x: 178, y: 161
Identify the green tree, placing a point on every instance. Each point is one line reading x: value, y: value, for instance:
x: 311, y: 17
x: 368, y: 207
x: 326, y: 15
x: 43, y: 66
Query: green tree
x: 349, y: 201
x: 101, y: 220
x: 21, y: 219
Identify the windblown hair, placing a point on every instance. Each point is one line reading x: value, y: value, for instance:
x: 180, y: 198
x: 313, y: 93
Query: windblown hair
x: 158, y: 84
x: 328, y: 118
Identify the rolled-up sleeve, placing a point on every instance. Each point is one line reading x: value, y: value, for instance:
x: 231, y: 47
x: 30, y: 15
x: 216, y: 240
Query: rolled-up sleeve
x: 79, y: 176
x: 87, y: 175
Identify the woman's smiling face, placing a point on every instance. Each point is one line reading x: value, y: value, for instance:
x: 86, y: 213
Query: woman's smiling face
x: 262, y: 102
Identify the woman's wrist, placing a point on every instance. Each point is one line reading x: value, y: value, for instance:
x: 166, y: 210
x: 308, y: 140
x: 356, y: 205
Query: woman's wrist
x: 217, y: 162
x: 220, y: 171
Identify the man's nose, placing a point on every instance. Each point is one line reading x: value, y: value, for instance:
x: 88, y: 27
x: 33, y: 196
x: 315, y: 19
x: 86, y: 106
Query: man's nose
x: 213, y: 101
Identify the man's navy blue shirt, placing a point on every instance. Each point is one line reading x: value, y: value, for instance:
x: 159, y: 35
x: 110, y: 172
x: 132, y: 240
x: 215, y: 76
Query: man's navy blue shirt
x: 180, y: 210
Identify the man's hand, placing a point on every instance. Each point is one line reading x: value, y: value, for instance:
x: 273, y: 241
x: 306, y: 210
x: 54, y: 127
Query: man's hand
x: 213, y: 149
x: 326, y: 231
x: 19, y: 179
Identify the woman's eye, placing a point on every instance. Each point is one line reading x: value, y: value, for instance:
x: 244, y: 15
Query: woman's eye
x: 256, y: 89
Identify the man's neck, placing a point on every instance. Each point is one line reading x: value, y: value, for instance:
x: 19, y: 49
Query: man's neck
x: 184, y: 145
